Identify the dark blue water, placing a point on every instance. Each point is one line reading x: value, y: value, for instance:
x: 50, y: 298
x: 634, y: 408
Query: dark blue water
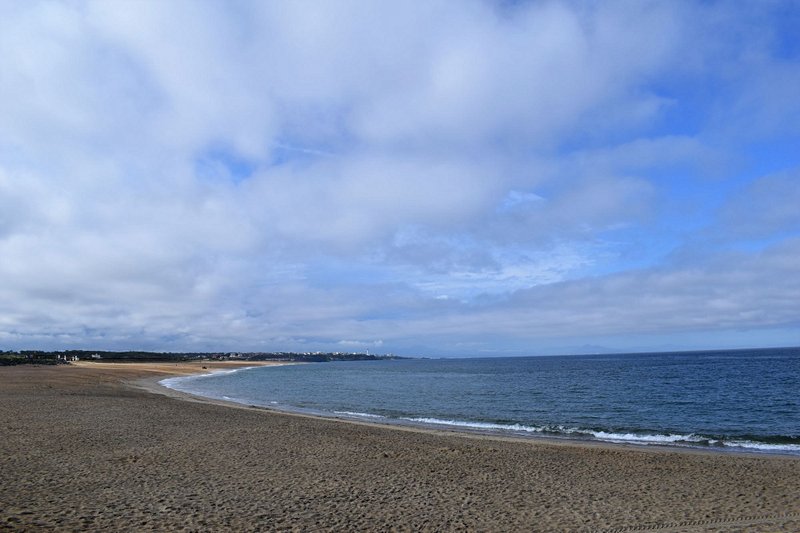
x: 727, y: 400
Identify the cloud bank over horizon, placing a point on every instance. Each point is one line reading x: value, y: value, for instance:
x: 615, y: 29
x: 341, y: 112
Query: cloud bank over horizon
x: 437, y: 178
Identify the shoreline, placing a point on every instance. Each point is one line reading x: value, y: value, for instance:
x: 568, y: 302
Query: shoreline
x: 155, y: 386
x: 88, y: 448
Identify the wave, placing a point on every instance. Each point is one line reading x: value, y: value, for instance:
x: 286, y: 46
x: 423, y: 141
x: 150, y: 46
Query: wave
x: 358, y: 415
x: 174, y: 382
x: 475, y: 425
x: 648, y: 438
x: 671, y: 439
x: 768, y: 447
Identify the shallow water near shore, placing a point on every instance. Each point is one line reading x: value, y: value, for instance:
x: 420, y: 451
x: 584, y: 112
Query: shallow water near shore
x: 745, y: 400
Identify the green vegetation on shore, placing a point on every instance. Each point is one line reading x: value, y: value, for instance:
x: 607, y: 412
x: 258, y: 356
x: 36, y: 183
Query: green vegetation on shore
x: 65, y: 356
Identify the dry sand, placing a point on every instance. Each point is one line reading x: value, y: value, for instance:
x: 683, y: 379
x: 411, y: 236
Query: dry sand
x: 87, y: 448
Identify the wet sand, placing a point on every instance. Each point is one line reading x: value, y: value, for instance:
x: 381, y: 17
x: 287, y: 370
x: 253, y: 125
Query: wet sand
x: 93, y: 447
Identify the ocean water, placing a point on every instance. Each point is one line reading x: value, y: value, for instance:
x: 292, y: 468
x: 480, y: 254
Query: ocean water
x: 746, y: 400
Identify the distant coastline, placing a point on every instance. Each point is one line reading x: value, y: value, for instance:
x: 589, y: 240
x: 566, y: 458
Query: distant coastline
x: 10, y: 358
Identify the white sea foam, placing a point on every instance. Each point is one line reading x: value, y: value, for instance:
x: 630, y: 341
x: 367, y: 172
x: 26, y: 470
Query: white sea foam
x: 359, y: 415
x: 174, y: 382
x: 647, y: 438
x: 220, y: 372
x: 171, y: 383
x: 606, y: 436
x: 475, y: 425
x: 750, y: 445
x: 694, y: 440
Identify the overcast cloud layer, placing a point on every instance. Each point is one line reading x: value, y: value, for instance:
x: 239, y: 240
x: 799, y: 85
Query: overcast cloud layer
x: 456, y: 178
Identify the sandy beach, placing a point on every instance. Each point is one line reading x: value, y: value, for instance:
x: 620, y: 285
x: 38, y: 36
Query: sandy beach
x: 100, y: 447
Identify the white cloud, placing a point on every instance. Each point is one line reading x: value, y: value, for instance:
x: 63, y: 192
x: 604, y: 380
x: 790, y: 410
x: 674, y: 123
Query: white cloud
x: 183, y: 172
x: 538, y: 72
x: 768, y: 206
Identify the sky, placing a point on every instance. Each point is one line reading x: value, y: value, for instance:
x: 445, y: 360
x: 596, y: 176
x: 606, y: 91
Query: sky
x: 439, y: 178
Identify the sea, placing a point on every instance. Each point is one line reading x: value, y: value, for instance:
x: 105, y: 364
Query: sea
x: 741, y: 400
